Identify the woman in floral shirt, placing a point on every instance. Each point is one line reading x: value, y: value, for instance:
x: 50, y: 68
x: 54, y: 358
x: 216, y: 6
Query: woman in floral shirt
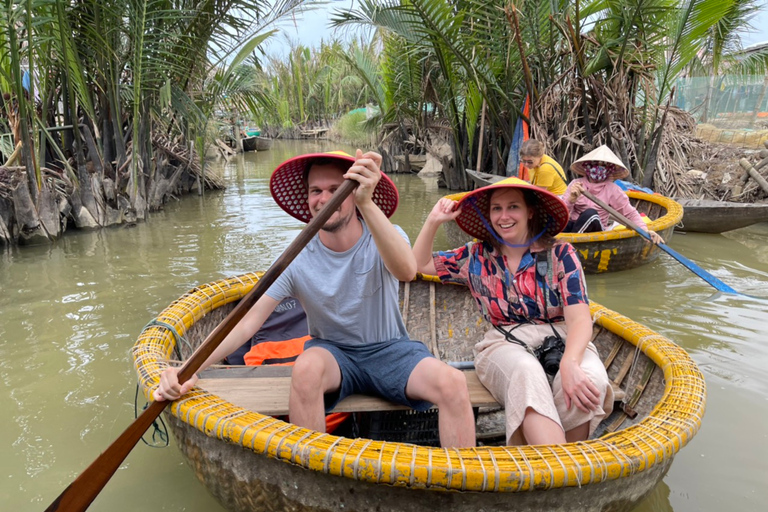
x: 515, y: 223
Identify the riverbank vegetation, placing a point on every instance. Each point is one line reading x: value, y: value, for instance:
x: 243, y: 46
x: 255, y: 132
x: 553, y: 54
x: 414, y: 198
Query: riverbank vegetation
x: 316, y: 87
x: 355, y: 129
x: 105, y: 104
x: 459, y: 74
x: 595, y: 72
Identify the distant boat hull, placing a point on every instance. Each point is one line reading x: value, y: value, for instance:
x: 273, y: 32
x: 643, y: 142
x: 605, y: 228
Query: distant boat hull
x: 710, y: 216
x: 481, y: 179
x: 257, y: 144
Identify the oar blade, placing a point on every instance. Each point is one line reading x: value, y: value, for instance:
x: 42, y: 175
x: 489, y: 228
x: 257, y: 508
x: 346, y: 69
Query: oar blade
x: 79, y: 495
x: 693, y: 267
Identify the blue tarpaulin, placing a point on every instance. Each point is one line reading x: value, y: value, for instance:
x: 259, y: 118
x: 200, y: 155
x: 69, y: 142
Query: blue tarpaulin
x: 626, y: 185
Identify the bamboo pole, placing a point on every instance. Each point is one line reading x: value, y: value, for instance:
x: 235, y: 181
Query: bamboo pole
x: 482, y: 137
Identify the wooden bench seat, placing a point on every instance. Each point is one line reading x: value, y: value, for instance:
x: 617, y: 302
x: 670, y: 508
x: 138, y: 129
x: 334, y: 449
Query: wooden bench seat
x: 265, y: 389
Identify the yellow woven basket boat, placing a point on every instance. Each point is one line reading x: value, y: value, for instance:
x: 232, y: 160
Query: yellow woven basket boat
x: 254, y: 462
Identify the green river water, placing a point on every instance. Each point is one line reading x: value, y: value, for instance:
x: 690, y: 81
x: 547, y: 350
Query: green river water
x: 70, y: 312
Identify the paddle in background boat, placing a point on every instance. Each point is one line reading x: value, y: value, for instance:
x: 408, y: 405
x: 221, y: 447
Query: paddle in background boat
x: 709, y: 278
x: 83, y: 490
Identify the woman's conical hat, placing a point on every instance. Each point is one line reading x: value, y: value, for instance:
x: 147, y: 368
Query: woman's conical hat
x: 602, y: 155
x: 474, y: 206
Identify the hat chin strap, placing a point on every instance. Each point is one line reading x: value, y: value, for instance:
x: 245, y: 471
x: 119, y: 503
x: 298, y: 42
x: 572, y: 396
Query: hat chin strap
x: 495, y: 235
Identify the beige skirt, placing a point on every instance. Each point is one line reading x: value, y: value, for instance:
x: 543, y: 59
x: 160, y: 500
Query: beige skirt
x: 517, y: 380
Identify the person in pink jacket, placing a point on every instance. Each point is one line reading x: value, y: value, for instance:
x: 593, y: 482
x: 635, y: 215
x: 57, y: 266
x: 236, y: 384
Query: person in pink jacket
x: 598, y: 170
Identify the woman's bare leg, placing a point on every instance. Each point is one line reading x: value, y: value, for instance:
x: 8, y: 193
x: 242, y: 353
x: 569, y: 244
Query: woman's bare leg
x: 538, y: 429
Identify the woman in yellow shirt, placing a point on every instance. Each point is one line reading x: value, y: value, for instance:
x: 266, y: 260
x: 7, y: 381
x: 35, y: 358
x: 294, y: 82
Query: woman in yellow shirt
x: 543, y: 171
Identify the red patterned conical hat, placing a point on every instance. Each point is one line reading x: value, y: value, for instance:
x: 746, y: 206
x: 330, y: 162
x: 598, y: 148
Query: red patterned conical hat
x: 290, y: 192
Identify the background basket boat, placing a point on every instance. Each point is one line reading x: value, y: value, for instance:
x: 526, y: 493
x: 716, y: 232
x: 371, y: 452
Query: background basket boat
x: 254, y: 462
x: 710, y: 216
x: 604, y: 251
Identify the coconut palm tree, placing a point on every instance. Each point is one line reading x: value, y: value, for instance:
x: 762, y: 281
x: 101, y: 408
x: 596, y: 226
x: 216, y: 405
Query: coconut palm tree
x: 596, y: 71
x: 316, y: 85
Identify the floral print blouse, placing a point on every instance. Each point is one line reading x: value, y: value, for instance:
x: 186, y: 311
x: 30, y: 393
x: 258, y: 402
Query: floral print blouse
x: 505, y: 298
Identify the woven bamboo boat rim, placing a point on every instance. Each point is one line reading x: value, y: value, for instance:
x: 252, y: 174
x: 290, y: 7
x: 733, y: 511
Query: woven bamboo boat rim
x: 656, y: 439
x: 669, y: 220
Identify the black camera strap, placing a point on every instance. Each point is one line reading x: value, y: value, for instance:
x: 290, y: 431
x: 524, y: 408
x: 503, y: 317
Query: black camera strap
x: 512, y: 339
x: 543, y: 272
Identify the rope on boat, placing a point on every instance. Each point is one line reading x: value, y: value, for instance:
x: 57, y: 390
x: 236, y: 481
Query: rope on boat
x: 159, y: 430
x: 159, y: 323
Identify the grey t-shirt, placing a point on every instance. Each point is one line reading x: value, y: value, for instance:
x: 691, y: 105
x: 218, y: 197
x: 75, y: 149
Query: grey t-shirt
x: 350, y: 297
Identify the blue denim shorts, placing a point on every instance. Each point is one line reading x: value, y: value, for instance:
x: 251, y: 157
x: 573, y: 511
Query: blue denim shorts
x: 380, y: 369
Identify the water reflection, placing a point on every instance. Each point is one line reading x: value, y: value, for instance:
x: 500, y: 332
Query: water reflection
x: 71, y: 311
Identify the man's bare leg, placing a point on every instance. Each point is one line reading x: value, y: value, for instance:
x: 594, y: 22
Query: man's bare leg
x: 446, y: 387
x: 314, y: 374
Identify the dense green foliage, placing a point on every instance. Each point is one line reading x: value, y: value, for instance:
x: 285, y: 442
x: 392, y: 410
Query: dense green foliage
x: 125, y: 71
x: 316, y: 85
x: 597, y: 71
x: 121, y: 72
x: 354, y: 129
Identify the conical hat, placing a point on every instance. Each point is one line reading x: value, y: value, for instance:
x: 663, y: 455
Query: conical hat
x: 475, y: 204
x: 606, y: 157
x: 290, y: 192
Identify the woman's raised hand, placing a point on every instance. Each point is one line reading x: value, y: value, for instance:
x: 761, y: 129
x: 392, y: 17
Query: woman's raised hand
x: 444, y: 210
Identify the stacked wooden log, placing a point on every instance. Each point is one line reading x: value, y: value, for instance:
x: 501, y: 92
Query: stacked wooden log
x: 753, y: 172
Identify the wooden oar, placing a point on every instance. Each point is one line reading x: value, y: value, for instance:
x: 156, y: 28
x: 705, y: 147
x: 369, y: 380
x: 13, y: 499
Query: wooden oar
x: 80, y: 493
x: 709, y: 278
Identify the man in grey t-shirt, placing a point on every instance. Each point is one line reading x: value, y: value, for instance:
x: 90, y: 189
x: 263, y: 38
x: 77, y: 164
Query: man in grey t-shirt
x: 346, y: 279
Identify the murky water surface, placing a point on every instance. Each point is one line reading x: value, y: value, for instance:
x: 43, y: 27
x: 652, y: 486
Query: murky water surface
x: 69, y: 314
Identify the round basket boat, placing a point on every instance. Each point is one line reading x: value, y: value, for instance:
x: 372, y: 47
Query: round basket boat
x: 609, y: 251
x: 250, y: 461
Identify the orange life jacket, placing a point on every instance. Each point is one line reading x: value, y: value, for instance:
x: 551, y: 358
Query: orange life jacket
x: 284, y: 353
